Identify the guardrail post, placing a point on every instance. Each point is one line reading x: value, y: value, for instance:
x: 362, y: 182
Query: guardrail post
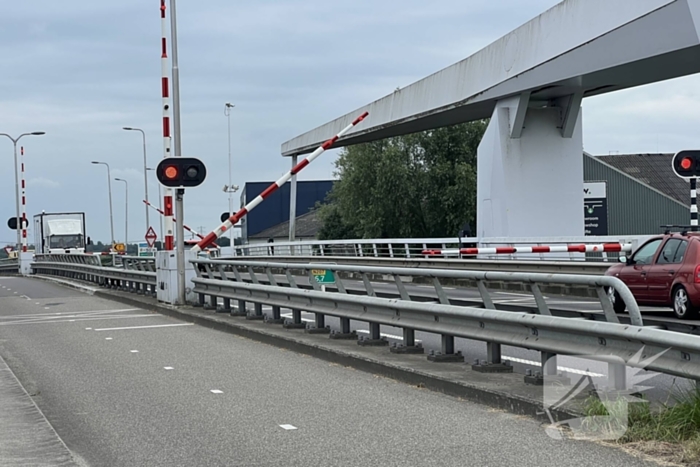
x: 409, y: 343
x: 276, y: 316
x: 345, y: 332
x: 447, y: 351
x: 257, y: 313
x: 200, y: 302
x: 212, y: 304
x: 319, y: 326
x: 227, y: 305
x: 375, y: 337
x: 241, y: 310
x: 617, y: 376
x: 296, y: 322
x: 494, y: 361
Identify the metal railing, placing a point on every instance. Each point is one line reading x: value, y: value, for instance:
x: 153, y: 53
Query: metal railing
x: 88, y: 268
x: 414, y: 247
x: 677, y: 354
x: 139, y: 263
x: 9, y: 266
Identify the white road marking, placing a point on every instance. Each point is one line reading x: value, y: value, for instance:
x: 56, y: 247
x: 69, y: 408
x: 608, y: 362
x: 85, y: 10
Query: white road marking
x: 88, y: 329
x: 145, y: 327
x: 37, y: 303
x: 59, y: 320
x: 134, y: 351
x: 288, y: 427
x: 71, y: 321
x: 108, y: 338
x: 562, y: 368
x: 24, y: 296
x: 216, y: 391
x: 168, y: 368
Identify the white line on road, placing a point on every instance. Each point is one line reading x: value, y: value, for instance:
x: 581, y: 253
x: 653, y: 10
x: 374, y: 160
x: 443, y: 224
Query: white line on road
x: 88, y: 329
x: 60, y: 320
x: 562, y: 368
x: 168, y: 368
x: 216, y: 391
x: 288, y: 427
x: 145, y: 327
x: 108, y: 338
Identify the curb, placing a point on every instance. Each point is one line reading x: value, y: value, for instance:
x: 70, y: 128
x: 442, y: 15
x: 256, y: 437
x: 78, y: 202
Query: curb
x: 453, y: 379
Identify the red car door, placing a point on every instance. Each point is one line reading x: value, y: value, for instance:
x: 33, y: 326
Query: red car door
x: 661, y: 274
x: 634, y: 274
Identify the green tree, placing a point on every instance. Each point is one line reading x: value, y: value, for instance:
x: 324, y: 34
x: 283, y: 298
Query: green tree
x: 418, y: 185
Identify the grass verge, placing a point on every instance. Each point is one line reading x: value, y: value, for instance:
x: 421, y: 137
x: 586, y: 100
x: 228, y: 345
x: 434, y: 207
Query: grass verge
x: 670, y: 432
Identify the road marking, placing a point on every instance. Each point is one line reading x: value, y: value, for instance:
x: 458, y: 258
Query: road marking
x: 88, y: 329
x: 24, y: 296
x: 71, y: 321
x: 216, y: 391
x: 37, y: 303
x: 562, y: 368
x: 168, y: 368
x: 70, y: 314
x: 145, y: 327
x: 108, y: 338
x: 59, y: 320
x: 134, y: 351
x: 288, y: 427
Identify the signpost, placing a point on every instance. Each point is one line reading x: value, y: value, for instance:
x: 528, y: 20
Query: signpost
x: 595, y: 208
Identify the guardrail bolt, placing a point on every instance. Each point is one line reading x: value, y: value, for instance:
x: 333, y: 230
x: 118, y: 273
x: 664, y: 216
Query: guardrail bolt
x: 686, y: 356
x: 601, y: 341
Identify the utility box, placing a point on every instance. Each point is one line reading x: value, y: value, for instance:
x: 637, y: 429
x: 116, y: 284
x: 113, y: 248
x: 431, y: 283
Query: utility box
x: 26, y: 258
x: 166, y: 277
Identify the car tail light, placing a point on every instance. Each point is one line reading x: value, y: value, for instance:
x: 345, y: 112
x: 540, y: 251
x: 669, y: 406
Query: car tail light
x: 697, y: 275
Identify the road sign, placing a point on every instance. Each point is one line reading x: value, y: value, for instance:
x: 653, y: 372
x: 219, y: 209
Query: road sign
x: 323, y: 276
x: 145, y: 250
x: 151, y: 237
x: 8, y: 249
x: 119, y: 247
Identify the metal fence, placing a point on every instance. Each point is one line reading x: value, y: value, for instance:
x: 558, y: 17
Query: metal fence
x: 9, y: 266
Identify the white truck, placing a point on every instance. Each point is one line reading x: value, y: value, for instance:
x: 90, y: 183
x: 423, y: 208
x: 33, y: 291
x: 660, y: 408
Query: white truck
x: 60, y: 232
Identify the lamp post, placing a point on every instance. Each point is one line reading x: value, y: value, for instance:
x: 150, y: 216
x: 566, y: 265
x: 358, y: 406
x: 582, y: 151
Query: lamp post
x: 145, y: 170
x: 19, y: 219
x: 230, y: 189
x: 109, y: 186
x: 126, y: 214
x: 160, y: 206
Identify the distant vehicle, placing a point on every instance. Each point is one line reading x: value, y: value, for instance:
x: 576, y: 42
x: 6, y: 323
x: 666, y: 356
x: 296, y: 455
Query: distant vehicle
x: 60, y: 232
x: 663, y: 272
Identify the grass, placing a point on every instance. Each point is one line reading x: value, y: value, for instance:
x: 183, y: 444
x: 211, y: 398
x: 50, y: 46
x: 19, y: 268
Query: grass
x: 672, y: 430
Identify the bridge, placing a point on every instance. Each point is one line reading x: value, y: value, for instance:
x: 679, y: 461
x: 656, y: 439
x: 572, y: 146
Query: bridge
x: 382, y: 351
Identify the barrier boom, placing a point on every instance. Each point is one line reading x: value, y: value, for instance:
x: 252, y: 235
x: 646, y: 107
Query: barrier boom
x: 509, y: 250
x: 231, y: 221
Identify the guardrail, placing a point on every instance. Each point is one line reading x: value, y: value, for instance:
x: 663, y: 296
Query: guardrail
x: 88, y: 268
x: 415, y: 247
x: 9, y: 266
x: 674, y: 353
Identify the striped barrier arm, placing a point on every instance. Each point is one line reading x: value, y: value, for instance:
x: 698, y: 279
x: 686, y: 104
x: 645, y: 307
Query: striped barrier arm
x: 175, y: 221
x: 509, y: 250
x: 231, y: 221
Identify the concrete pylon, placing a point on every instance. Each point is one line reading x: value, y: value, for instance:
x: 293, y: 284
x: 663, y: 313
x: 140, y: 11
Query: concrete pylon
x: 530, y: 169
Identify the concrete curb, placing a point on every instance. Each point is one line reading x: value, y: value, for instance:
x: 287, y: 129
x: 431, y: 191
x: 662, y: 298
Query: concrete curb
x: 507, y: 392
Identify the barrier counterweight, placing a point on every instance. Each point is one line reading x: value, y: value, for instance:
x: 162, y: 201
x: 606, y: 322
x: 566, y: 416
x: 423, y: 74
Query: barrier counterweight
x: 231, y: 221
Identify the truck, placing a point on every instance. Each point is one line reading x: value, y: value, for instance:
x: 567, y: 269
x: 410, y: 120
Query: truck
x: 60, y: 232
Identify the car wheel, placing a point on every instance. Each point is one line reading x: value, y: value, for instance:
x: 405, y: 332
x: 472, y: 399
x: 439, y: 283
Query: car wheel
x: 682, y: 307
x: 617, y: 302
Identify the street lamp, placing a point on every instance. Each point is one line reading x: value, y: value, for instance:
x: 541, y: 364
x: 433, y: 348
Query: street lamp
x: 126, y: 214
x: 145, y: 169
x: 230, y: 189
x: 160, y: 206
x: 109, y: 186
x: 19, y: 219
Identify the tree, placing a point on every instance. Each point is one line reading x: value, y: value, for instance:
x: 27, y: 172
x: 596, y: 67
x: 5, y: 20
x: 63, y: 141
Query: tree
x: 418, y: 185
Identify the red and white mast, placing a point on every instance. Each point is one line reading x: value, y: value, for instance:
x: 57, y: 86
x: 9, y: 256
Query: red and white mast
x: 168, y: 194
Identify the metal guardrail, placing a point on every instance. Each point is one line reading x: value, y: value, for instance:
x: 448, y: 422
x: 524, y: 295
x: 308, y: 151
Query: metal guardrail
x: 414, y: 247
x: 674, y: 353
x: 604, y: 285
x: 88, y: 268
x: 9, y: 266
x: 139, y: 263
x: 545, y: 267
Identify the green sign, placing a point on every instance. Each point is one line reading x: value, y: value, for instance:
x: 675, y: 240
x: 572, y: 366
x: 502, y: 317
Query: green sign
x: 323, y: 276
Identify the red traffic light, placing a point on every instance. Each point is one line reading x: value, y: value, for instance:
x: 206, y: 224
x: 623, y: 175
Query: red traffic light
x: 686, y: 163
x: 170, y: 172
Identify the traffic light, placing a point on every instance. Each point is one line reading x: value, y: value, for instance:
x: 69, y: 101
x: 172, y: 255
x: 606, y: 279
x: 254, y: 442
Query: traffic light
x: 225, y: 216
x: 181, y: 172
x: 686, y: 164
x: 12, y: 223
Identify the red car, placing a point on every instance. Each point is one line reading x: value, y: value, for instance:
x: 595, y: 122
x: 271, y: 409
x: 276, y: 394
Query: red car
x: 663, y: 272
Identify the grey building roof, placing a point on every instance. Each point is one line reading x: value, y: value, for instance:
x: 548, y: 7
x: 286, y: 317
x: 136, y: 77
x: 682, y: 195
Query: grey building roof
x: 307, y: 226
x: 653, y: 170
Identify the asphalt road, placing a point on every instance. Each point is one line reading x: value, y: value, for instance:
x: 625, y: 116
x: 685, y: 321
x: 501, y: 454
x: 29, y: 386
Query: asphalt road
x: 125, y: 387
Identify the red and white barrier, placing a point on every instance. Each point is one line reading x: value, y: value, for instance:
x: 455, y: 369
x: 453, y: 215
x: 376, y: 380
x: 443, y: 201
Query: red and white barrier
x: 175, y: 220
x: 24, y: 205
x: 168, y: 224
x: 231, y: 221
x: 509, y: 250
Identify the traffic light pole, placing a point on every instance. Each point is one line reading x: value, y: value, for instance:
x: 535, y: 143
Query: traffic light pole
x: 179, y: 193
x: 694, y: 203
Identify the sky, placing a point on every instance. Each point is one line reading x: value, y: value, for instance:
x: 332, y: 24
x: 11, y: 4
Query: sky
x: 81, y: 70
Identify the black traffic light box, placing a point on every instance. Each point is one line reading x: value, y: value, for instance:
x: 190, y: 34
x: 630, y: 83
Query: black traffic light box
x: 12, y: 223
x: 181, y: 172
x: 686, y: 164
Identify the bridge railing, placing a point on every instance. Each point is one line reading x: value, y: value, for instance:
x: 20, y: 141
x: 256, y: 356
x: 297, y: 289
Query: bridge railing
x: 415, y: 247
x: 88, y: 268
x: 9, y: 266
x: 674, y: 353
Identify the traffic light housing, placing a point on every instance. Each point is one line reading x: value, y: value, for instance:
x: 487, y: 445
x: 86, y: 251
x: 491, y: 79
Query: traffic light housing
x: 181, y: 172
x: 686, y: 164
x: 225, y: 216
x: 12, y: 223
